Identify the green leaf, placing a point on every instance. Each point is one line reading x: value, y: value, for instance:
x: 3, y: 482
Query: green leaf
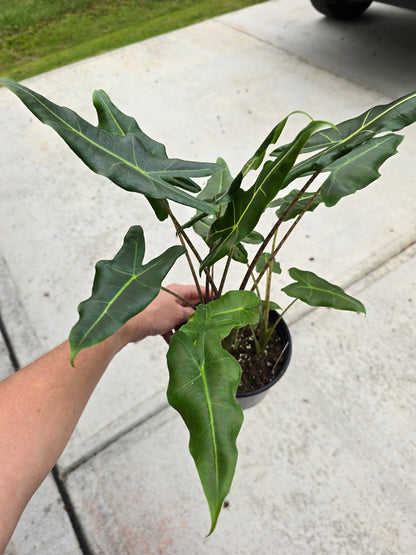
x: 358, y: 168
x: 201, y: 226
x: 233, y: 310
x: 113, y: 120
x: 387, y: 117
x: 263, y: 260
x: 215, y: 192
x: 272, y: 305
x: 254, y: 162
x: 246, y: 207
x: 348, y: 174
x: 301, y: 204
x: 202, y: 388
x: 122, y: 288
x: 341, y: 139
x: 254, y: 238
x: 124, y: 159
x: 315, y: 291
x: 217, y: 187
x: 240, y: 254
x: 205, y: 398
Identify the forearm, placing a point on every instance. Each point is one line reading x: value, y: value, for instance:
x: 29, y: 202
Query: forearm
x: 41, y: 404
x: 39, y: 408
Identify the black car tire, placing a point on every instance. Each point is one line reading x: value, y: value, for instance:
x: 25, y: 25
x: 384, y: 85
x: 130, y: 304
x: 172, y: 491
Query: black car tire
x: 340, y: 9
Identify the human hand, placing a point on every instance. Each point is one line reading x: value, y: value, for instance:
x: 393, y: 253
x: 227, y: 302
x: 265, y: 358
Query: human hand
x: 163, y: 314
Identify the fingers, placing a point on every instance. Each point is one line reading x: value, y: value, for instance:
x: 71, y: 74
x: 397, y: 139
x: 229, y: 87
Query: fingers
x: 180, y: 311
x: 188, y: 292
x: 165, y: 314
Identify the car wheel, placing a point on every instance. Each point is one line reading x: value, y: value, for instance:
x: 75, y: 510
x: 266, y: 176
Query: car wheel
x: 340, y: 9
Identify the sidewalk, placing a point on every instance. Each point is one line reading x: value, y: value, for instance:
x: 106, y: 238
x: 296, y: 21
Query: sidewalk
x: 327, y: 461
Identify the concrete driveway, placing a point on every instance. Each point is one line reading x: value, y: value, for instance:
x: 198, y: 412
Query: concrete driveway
x: 327, y: 461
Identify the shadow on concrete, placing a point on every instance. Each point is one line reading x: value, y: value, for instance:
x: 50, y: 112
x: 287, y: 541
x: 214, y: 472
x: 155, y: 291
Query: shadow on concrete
x: 377, y: 50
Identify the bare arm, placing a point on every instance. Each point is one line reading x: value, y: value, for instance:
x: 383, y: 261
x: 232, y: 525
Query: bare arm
x: 41, y: 404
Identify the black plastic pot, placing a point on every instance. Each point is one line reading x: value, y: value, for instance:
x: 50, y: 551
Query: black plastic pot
x: 252, y: 398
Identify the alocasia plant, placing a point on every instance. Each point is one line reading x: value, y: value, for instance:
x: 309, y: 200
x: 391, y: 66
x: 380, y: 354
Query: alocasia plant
x: 204, y: 376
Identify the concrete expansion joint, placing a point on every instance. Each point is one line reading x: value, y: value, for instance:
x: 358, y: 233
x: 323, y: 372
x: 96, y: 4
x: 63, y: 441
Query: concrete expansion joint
x: 90, y: 454
x: 10, y: 349
x: 386, y: 266
x: 251, y: 35
x: 72, y: 515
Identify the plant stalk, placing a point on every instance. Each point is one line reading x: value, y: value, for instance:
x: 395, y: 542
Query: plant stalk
x: 256, y: 286
x: 206, y: 289
x: 255, y: 340
x: 274, y: 229
x: 185, y: 301
x: 273, y: 327
x: 184, y: 238
x: 225, y: 273
x: 282, y: 242
x: 269, y: 281
x: 191, y: 267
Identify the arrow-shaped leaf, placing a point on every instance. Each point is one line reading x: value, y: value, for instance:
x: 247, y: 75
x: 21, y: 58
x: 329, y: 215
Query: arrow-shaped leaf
x: 348, y: 174
x: 233, y: 310
x: 202, y: 388
x: 386, y: 117
x: 246, y: 207
x: 122, y: 288
x: 124, y: 159
x: 358, y: 168
x: 315, y: 291
x: 341, y: 139
x: 113, y: 120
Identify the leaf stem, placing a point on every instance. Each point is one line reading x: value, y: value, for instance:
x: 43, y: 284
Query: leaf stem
x: 274, y: 230
x: 184, y: 238
x: 269, y: 280
x: 225, y: 273
x: 256, y: 286
x: 273, y: 327
x: 178, y: 297
x: 255, y: 340
x: 191, y: 267
x: 282, y: 242
x: 207, y: 284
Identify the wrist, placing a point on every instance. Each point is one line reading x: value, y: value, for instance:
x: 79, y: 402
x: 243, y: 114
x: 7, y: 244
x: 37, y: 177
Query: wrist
x: 119, y: 340
x: 133, y: 331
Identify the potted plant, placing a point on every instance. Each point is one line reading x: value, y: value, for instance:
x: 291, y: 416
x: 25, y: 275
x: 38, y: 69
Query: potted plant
x: 230, y: 322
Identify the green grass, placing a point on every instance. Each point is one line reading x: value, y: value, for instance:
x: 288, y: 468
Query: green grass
x: 36, y: 36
